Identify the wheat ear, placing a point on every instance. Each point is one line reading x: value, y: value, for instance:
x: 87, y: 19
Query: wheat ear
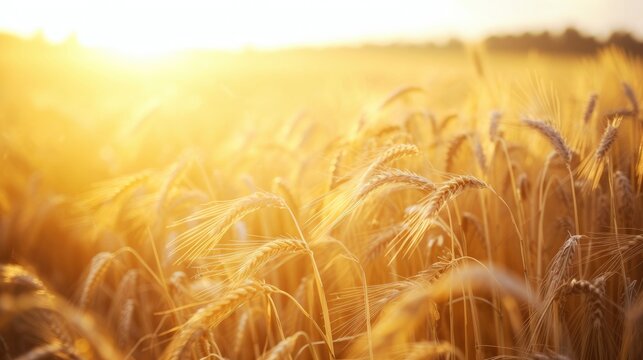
x: 494, y: 124
x: 559, y: 268
x: 125, y: 321
x: 259, y: 257
x: 14, y: 278
x: 631, y: 96
x: 284, y: 348
x: 419, y: 222
x: 216, y: 221
x: 392, y: 153
x: 624, y: 198
x: 210, y: 316
x: 97, y: 270
x: 395, y: 177
x: 592, y: 168
x: 589, y: 108
x: 554, y: 138
x: 595, y: 290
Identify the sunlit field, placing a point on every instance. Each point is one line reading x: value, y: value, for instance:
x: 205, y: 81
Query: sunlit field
x: 353, y: 203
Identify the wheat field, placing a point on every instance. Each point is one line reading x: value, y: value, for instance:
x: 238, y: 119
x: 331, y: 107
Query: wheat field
x: 316, y: 204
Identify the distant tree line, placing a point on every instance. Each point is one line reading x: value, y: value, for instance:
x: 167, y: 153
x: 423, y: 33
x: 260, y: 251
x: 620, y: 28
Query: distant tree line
x: 570, y: 41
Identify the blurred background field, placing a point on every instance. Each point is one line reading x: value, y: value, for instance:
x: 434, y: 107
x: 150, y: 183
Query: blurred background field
x: 113, y: 165
x: 73, y: 98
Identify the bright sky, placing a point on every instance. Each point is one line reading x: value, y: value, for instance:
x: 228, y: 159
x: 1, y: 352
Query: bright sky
x: 148, y: 26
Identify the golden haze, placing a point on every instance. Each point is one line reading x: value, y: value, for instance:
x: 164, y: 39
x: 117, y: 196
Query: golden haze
x: 358, y: 203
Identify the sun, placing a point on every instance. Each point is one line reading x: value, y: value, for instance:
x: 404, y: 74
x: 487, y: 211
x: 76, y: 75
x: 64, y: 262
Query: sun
x: 148, y: 29
x: 137, y: 45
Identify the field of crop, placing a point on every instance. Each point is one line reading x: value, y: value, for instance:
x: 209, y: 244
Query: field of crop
x: 390, y: 203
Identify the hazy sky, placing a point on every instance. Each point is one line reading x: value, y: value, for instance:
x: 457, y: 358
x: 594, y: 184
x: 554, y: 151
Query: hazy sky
x: 173, y: 24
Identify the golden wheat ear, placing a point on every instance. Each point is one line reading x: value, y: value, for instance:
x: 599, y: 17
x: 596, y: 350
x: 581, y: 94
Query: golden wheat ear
x: 214, y: 221
x: 394, y: 177
x: 631, y: 97
x: 267, y: 252
x: 97, y: 271
x: 391, y: 154
x: 560, y: 267
x: 420, y: 221
x: 625, y: 199
x: 340, y: 203
x: 15, y: 280
x: 284, y: 348
x: 553, y: 136
x: 589, y: 108
x: 495, y: 118
x: 592, y: 168
x: 211, y: 316
x: 595, y: 290
x: 58, y: 316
